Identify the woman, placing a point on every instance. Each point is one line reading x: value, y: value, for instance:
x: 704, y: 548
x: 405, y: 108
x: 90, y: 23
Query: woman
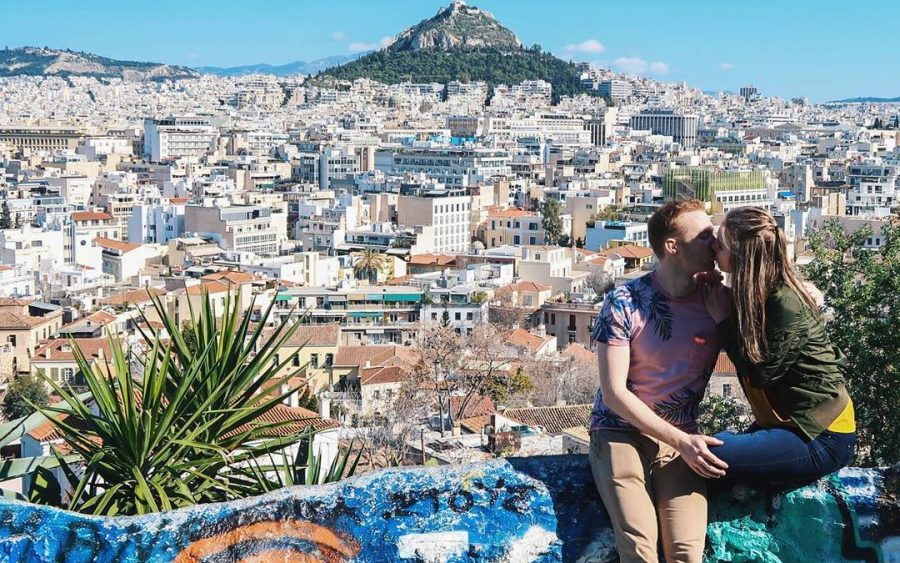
x: 789, y: 370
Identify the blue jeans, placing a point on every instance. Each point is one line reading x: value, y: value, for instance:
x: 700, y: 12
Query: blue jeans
x: 782, y: 455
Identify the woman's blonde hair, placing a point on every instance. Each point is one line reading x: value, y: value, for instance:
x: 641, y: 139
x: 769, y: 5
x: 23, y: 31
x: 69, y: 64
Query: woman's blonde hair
x: 760, y: 264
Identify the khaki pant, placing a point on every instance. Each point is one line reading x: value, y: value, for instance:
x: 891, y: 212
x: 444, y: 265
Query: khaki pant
x: 649, y: 492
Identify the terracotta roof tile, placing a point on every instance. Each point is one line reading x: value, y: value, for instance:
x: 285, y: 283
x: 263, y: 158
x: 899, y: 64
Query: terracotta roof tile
x: 230, y: 276
x: 478, y: 406
x: 315, y: 335
x: 724, y: 364
x: 142, y: 295
x: 524, y: 339
x: 429, y: 259
x: 61, y: 350
x: 91, y: 216
x: 553, y: 419
x: 511, y: 213
x: 379, y: 375
x: 116, y: 244
x: 629, y: 251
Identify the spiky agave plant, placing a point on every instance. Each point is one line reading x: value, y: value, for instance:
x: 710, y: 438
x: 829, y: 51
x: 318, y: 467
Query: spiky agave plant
x: 182, y: 428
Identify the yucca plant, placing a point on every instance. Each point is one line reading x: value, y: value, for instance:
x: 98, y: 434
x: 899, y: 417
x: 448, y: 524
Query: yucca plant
x: 181, y: 426
x: 37, y: 468
x: 305, y: 467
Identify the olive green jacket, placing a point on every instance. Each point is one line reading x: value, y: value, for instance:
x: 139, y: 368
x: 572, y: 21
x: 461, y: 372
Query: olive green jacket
x: 800, y: 382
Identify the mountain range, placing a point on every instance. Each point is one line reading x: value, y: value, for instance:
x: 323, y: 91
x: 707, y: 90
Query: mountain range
x: 866, y: 100
x: 42, y: 61
x: 289, y: 69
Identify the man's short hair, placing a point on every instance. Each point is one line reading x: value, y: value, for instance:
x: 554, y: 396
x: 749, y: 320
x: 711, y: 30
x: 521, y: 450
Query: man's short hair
x: 664, y: 222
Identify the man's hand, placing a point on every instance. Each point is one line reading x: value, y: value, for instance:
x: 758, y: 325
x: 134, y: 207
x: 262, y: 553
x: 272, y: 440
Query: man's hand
x: 694, y: 448
x: 717, y: 299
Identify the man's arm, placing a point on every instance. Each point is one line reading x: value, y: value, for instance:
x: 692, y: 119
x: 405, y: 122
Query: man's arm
x: 694, y: 448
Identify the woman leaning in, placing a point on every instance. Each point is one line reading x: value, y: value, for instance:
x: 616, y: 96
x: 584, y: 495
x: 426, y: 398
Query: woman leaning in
x: 772, y: 330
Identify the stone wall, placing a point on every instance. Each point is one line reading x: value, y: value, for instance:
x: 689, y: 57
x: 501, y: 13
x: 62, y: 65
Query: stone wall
x: 527, y: 509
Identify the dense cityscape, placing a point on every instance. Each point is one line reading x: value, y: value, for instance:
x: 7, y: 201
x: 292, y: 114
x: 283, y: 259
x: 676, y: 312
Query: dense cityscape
x: 439, y: 250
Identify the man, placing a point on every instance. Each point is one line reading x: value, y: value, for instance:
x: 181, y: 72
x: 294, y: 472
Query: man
x: 657, y: 347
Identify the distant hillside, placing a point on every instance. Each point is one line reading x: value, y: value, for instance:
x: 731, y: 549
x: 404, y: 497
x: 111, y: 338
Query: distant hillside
x: 463, y: 43
x: 490, y: 65
x: 867, y: 100
x: 37, y: 61
x: 289, y: 69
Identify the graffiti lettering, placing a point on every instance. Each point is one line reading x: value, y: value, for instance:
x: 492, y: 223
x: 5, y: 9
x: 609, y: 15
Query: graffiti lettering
x: 515, y: 499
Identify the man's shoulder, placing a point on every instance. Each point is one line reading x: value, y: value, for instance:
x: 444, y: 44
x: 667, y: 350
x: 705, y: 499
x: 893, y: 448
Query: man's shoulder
x: 632, y: 288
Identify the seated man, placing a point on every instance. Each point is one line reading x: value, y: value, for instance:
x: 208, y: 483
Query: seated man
x: 657, y: 347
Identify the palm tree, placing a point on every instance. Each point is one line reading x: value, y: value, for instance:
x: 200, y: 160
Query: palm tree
x: 369, y: 261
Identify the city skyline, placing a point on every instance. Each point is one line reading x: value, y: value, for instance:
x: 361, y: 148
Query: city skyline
x: 784, y: 50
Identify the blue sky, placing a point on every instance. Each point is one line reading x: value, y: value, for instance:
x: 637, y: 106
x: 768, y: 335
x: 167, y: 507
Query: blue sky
x: 824, y: 49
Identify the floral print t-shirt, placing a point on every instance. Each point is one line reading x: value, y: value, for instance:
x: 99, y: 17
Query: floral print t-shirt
x: 674, y: 348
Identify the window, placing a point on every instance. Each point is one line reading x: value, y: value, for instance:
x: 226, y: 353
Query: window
x: 67, y: 375
x: 376, y: 395
x: 329, y: 359
x: 11, y: 339
x: 726, y: 390
x: 314, y: 361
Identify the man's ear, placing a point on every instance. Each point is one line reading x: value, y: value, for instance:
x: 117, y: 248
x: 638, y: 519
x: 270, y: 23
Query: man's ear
x: 671, y: 246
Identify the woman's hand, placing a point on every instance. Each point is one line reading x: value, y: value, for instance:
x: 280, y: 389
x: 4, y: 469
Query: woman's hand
x: 717, y: 299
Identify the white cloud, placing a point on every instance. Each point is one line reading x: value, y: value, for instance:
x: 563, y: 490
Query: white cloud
x: 590, y: 46
x: 193, y: 56
x: 727, y: 66
x: 338, y: 35
x: 360, y: 46
x: 637, y: 65
x: 659, y: 68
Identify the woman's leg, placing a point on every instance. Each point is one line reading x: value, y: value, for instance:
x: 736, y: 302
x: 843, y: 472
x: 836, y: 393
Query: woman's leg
x: 782, y: 455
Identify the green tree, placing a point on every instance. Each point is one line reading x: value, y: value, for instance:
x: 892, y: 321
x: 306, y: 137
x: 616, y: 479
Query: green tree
x: 552, y: 223
x: 5, y: 217
x: 718, y: 413
x: 862, y: 308
x: 22, y: 394
x: 609, y: 213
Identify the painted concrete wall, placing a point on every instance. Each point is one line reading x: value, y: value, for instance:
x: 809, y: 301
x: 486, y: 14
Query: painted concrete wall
x: 528, y: 509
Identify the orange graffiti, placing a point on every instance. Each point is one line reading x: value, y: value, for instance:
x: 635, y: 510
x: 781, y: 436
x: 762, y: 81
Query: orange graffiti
x: 330, y: 547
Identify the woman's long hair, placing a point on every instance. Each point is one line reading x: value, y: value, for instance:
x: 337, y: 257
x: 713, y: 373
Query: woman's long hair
x: 760, y: 264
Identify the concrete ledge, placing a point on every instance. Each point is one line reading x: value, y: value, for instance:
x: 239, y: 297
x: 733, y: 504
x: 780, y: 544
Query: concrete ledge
x: 527, y: 509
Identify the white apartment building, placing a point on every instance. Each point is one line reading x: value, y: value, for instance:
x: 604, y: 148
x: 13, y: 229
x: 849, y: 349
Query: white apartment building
x: 873, y: 189
x: 84, y: 228
x: 32, y: 249
x: 239, y: 228
x: 455, y: 167
x: 448, y: 211
x: 16, y: 281
x: 321, y: 168
x: 615, y: 90
x: 310, y: 269
x: 553, y: 266
x: 75, y: 190
x: 157, y: 222
x: 680, y: 126
x: 171, y: 138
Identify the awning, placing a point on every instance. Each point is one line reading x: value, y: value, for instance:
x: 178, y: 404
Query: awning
x: 365, y: 314
x: 283, y: 297
x: 374, y: 297
x: 403, y: 297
